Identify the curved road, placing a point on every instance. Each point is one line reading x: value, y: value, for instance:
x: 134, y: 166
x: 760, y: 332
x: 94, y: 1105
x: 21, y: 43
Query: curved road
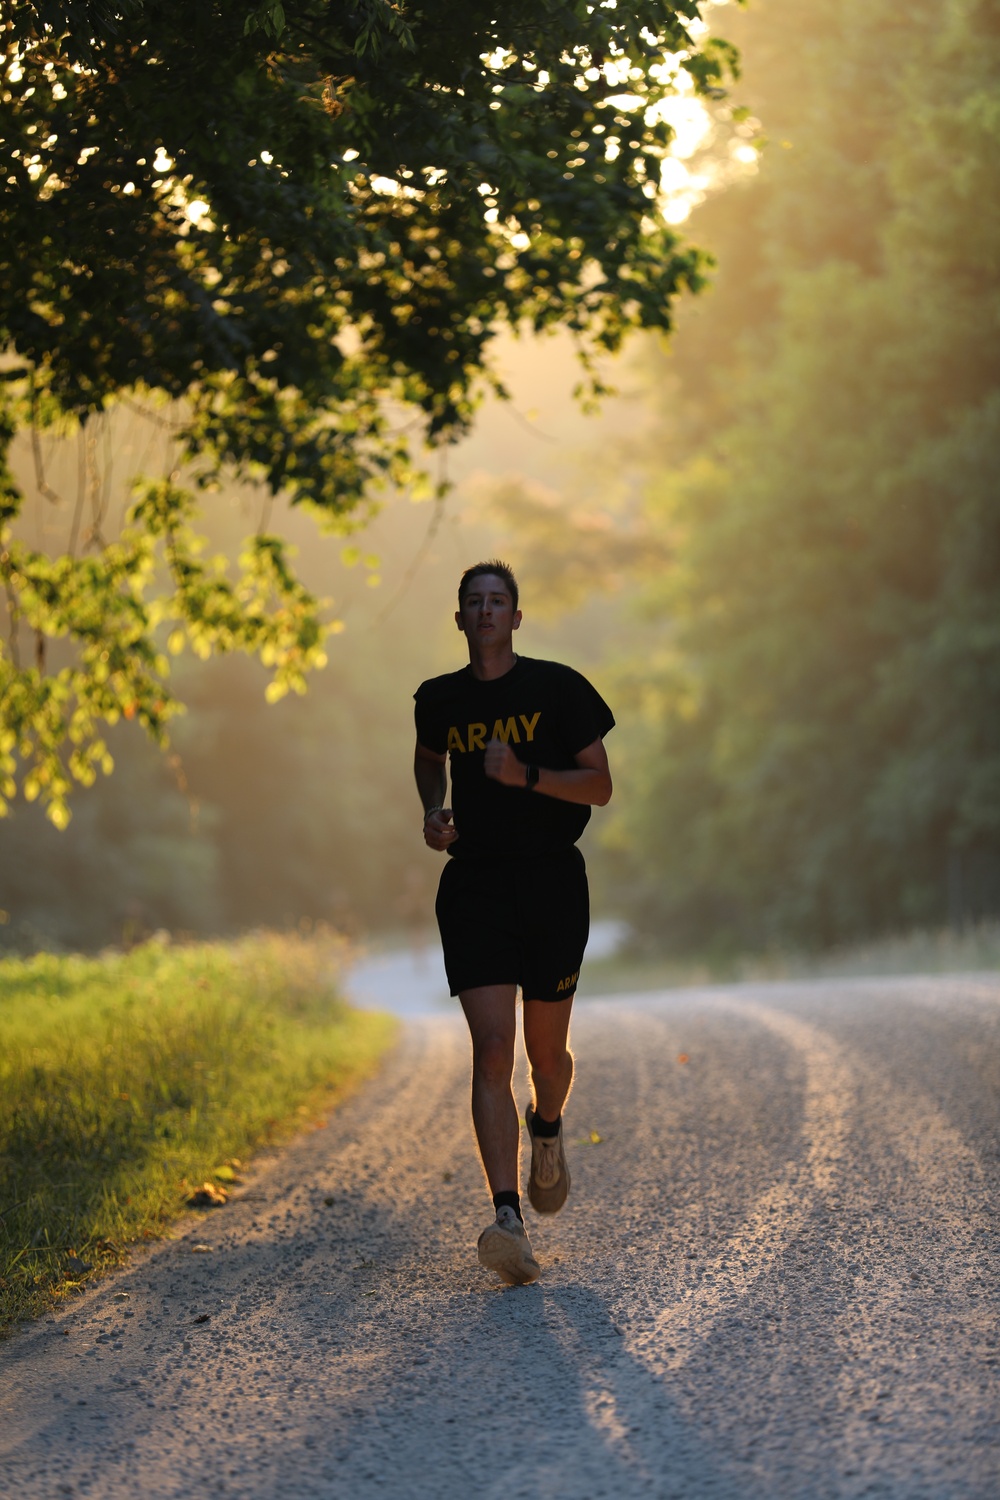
x: 776, y: 1277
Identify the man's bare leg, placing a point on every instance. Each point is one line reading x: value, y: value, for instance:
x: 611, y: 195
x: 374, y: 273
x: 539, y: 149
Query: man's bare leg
x: 492, y: 1017
x: 546, y: 1041
x: 503, y: 1246
x: 546, y: 1038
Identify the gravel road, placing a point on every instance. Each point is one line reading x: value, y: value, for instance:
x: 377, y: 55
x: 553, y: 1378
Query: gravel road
x: 775, y: 1277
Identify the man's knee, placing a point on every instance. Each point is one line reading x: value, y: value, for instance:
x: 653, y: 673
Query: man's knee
x: 549, y: 1059
x: 493, y: 1059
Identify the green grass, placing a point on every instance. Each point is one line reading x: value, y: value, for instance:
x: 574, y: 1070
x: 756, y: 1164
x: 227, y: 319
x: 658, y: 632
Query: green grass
x: 975, y: 947
x: 128, y: 1080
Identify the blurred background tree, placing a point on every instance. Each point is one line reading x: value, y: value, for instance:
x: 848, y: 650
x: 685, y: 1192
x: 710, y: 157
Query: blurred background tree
x: 816, y: 743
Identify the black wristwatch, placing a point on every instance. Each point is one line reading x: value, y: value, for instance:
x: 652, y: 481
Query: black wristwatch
x: 530, y: 777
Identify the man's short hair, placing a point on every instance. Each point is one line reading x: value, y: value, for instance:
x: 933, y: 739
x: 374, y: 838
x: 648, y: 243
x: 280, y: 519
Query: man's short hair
x: 495, y: 567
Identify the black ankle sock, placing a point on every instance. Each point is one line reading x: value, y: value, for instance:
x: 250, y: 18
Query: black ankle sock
x: 508, y: 1200
x: 546, y: 1130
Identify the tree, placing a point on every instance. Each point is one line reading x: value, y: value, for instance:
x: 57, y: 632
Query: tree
x: 273, y: 226
x: 820, y: 750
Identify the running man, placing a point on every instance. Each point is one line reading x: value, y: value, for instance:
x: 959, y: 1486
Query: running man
x: 525, y: 741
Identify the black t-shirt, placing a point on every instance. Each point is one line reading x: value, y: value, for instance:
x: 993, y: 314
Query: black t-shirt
x: 547, y: 713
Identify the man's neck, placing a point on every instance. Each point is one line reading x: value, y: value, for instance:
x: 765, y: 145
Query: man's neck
x: 488, y: 665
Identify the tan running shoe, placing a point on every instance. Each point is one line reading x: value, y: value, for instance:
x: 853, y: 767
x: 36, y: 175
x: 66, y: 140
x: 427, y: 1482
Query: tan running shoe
x: 504, y: 1248
x: 548, y: 1181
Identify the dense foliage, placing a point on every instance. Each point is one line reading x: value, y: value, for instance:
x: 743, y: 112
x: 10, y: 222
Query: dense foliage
x: 283, y: 223
x: 820, y: 754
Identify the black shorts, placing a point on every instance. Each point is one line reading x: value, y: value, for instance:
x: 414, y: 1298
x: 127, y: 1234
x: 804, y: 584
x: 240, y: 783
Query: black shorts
x: 511, y: 921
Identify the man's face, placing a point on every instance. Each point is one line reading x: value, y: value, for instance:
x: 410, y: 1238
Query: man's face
x: 486, y: 614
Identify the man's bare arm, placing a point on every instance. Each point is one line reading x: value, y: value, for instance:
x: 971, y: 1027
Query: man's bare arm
x: 589, y: 782
x: 431, y: 776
